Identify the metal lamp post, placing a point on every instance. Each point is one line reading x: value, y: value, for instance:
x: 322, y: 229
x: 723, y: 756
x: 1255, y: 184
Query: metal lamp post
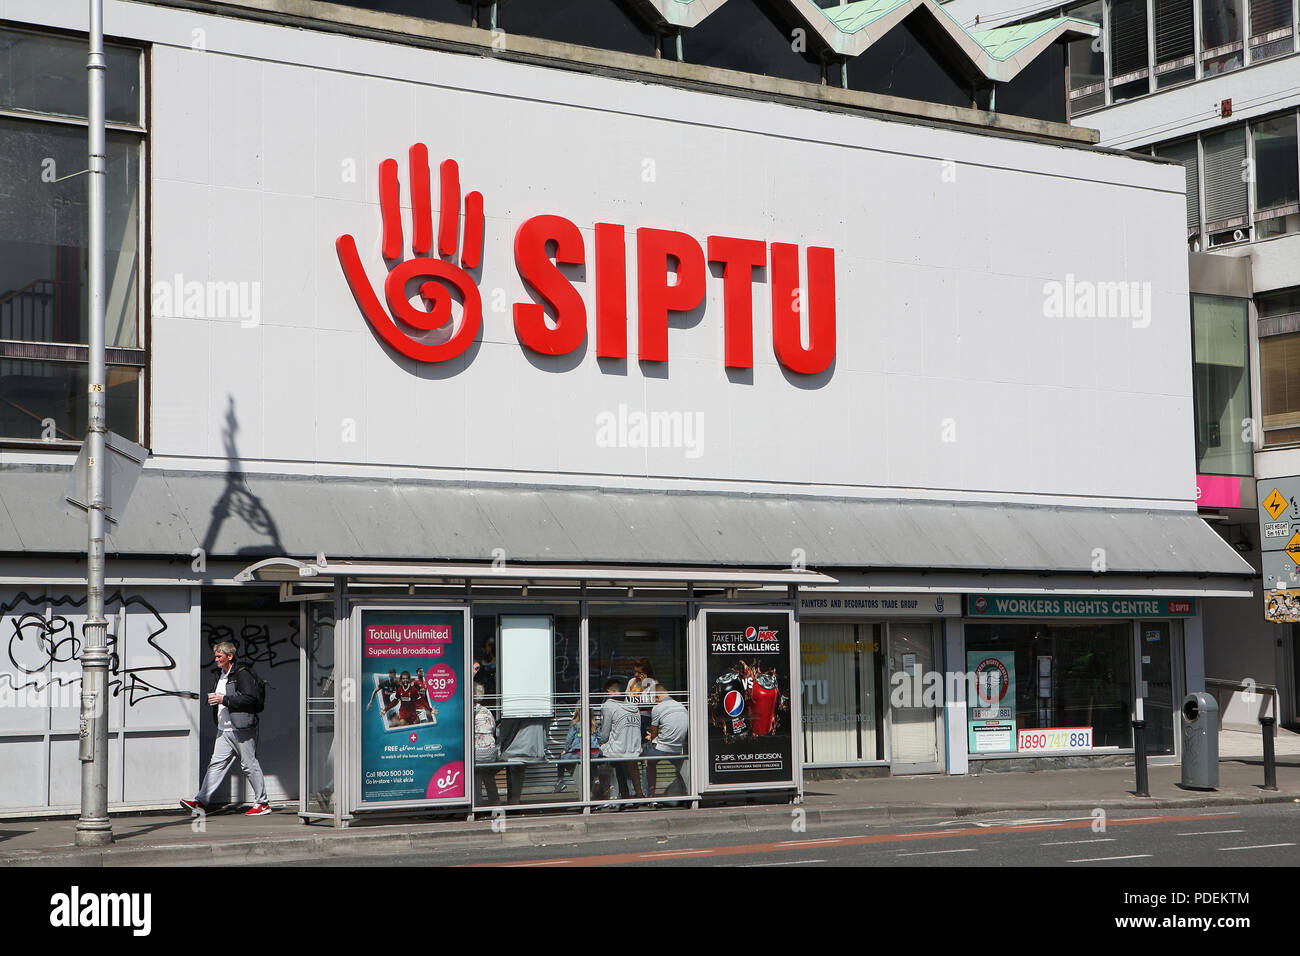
x: 94, y: 827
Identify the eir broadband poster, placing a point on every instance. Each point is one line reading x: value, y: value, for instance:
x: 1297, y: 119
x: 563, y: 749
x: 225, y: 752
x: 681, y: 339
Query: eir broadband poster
x: 413, y: 706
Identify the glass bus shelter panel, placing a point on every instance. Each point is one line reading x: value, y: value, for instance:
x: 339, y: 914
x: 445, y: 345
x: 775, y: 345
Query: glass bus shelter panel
x: 318, y: 655
x: 527, y: 661
x: 640, y: 676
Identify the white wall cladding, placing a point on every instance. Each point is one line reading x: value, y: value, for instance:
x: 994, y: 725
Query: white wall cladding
x: 152, y: 709
x: 944, y: 241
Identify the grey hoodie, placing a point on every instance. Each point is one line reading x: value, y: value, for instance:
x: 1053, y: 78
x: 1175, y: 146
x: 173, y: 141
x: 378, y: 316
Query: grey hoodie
x: 620, y: 728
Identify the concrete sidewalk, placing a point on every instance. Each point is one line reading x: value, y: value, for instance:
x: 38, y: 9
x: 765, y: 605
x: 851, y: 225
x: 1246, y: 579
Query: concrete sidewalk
x: 172, y: 839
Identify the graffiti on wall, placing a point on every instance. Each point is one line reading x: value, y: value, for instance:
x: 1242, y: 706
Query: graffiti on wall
x: 257, y: 641
x: 38, y: 640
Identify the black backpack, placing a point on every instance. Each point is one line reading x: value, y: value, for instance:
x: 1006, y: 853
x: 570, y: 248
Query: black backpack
x: 260, y: 692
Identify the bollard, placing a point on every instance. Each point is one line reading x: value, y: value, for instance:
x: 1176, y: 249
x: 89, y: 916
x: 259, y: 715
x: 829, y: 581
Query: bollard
x: 1270, y: 761
x: 1140, y: 757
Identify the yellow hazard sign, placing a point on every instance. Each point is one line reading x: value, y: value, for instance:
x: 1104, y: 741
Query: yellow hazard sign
x: 1274, y: 504
x: 1293, y: 547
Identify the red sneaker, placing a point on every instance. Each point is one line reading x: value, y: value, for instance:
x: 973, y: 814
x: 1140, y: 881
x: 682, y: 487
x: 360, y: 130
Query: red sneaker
x: 194, y: 806
x: 258, y: 810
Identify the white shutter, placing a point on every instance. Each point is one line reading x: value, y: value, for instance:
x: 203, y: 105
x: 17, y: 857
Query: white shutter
x: 1225, y: 180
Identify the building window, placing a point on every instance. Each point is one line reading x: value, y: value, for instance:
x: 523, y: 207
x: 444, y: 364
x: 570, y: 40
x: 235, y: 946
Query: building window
x: 1221, y: 36
x: 1247, y: 195
x: 1129, y: 63
x: 1220, y: 385
x: 605, y: 24
x: 1187, y: 153
x: 756, y: 36
x: 1226, y: 172
x: 1175, y: 42
x: 44, y: 330
x: 1279, y: 359
x: 1271, y: 28
x: 1087, y: 63
x: 1277, y: 176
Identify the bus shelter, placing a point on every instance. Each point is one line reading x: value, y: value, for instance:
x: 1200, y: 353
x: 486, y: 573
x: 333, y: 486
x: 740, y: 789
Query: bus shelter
x: 497, y: 688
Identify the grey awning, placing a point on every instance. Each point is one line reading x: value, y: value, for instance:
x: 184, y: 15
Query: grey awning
x: 252, y: 516
x: 374, y: 572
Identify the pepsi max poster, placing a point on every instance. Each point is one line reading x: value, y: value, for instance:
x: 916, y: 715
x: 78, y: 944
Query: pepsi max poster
x: 412, y: 706
x: 748, y: 668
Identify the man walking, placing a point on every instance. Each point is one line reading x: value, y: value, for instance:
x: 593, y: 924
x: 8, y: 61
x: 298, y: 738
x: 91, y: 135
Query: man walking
x: 235, y: 706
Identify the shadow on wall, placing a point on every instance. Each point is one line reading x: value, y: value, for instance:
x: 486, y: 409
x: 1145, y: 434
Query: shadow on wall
x: 239, y: 502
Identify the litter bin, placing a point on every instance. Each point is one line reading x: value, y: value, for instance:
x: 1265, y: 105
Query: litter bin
x: 1200, y: 742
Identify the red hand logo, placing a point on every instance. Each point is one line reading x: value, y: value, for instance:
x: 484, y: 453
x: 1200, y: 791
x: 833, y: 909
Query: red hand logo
x: 449, y: 277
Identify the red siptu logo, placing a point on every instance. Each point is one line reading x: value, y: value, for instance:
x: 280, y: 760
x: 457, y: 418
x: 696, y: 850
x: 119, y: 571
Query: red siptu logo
x: 437, y: 343
x: 432, y: 338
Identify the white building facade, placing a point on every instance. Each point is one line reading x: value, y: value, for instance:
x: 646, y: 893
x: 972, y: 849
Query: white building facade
x: 1212, y: 84
x: 687, y: 326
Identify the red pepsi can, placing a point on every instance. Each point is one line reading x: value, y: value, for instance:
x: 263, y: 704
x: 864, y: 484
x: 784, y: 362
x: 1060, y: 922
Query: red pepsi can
x: 764, y: 697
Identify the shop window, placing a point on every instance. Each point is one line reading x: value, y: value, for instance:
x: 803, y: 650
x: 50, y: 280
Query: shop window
x: 842, y: 708
x: 1175, y: 42
x: 446, y: 11
x: 909, y: 61
x: 1271, y: 29
x: 1279, y: 357
x: 1037, y: 91
x: 1129, y: 66
x: 1221, y: 36
x: 755, y: 36
x: 1220, y: 385
x: 44, y: 326
x: 606, y: 24
x: 1277, y: 176
x: 1087, y: 63
x: 1066, y: 674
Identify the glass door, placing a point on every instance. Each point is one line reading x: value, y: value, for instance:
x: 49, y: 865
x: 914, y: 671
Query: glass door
x: 1155, y: 646
x: 916, y: 690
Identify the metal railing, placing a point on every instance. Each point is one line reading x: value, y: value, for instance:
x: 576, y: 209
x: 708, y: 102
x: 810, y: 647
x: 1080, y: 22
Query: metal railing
x: 30, y: 314
x: 1221, y: 689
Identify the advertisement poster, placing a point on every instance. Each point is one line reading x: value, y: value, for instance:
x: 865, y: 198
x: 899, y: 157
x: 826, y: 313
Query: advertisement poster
x: 991, y: 720
x: 748, y: 673
x: 413, y: 706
